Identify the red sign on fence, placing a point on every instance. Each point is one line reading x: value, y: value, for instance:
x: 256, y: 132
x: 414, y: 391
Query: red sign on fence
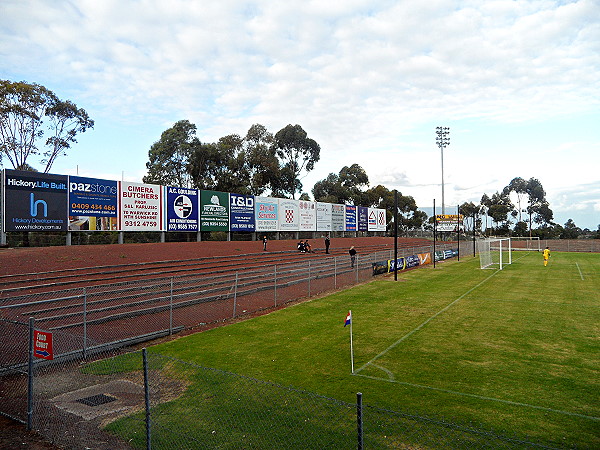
x: 42, y: 344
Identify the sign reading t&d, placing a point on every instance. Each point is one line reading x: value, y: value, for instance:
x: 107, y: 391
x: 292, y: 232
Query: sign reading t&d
x: 42, y: 344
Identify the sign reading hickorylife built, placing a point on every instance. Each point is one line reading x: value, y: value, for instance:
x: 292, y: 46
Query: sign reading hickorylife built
x: 35, y: 201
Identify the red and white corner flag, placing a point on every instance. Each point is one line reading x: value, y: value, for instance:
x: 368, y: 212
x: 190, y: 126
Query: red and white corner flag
x: 348, y: 321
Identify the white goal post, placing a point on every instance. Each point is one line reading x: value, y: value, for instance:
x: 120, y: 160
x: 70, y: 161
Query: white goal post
x: 494, y: 253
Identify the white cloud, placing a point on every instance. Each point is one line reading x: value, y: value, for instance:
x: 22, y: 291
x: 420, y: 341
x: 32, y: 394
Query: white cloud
x: 362, y: 77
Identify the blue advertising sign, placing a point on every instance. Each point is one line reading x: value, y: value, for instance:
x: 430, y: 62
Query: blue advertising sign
x: 241, y: 212
x: 401, y: 262
x: 92, y: 204
x: 34, y: 201
x: 182, y: 209
x: 351, y: 218
x: 363, y: 218
x: 412, y: 261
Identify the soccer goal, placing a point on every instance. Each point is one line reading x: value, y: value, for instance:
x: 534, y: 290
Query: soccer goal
x: 494, y: 253
x: 531, y: 244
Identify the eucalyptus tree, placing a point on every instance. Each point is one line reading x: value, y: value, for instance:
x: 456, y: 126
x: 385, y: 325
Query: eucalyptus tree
x: 345, y: 187
x: 169, y: 157
x: 35, y: 122
x: 297, y: 154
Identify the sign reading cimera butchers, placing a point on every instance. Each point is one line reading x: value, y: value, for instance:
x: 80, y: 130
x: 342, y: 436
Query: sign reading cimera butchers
x: 140, y: 207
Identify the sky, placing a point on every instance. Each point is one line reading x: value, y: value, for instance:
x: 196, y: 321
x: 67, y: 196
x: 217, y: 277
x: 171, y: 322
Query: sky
x: 517, y: 83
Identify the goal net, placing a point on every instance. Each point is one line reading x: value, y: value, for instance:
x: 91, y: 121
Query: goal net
x: 526, y: 243
x: 494, y: 253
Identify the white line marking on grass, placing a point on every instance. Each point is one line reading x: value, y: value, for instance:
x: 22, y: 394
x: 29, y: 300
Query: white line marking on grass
x: 483, y: 397
x: 409, y: 334
x: 390, y: 374
x: 580, y: 274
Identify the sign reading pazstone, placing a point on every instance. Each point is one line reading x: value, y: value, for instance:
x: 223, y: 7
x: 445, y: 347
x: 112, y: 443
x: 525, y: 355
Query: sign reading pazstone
x: 93, y: 204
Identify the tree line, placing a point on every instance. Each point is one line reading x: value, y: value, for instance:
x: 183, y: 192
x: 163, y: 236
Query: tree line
x: 515, y: 209
x: 35, y: 123
x: 262, y: 162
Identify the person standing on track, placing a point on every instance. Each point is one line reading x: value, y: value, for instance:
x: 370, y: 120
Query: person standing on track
x: 546, y: 255
x: 327, y: 244
x: 264, y: 243
x: 352, y: 253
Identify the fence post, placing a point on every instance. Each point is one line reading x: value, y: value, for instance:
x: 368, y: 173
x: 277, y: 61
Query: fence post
x: 147, y: 399
x: 84, y: 322
x: 335, y: 273
x: 171, y: 309
x: 30, y: 376
x: 309, y: 278
x: 275, y: 286
x: 357, y: 262
x: 235, y: 293
x: 359, y: 421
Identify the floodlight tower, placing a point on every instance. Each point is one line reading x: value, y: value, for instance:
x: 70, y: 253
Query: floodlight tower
x: 442, y: 140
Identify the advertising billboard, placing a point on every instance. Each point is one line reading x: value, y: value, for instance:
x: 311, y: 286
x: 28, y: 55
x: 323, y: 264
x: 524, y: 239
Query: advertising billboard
x: 381, y: 220
x: 449, y: 222
x: 214, y: 211
x: 362, y: 215
x: 241, y: 212
x: 93, y: 204
x: 34, y: 201
x: 372, y: 219
x: 337, y: 217
x: 140, y: 207
x: 308, y: 215
x: 181, y: 209
x: 323, y: 216
x: 266, y: 213
x: 289, y: 219
x: 351, y: 218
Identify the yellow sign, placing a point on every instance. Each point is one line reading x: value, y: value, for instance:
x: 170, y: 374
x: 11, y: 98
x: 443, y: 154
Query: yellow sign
x: 449, y: 217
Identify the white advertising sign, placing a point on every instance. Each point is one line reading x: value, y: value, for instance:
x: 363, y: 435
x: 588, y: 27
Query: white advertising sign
x: 308, y: 215
x: 337, y: 217
x: 140, y: 206
x: 289, y: 216
x: 323, y: 216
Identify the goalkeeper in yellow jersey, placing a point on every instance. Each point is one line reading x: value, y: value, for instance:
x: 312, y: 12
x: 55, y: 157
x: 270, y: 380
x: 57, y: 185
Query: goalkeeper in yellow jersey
x: 546, y: 254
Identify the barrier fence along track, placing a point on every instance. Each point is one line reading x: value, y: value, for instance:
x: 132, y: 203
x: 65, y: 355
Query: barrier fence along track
x: 97, y: 322
x: 118, y: 313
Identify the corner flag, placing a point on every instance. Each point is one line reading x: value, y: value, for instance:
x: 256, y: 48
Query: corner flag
x: 348, y: 318
x: 348, y: 321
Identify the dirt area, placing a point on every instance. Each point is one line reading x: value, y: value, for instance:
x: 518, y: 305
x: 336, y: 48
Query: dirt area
x: 15, y: 435
x: 44, y: 259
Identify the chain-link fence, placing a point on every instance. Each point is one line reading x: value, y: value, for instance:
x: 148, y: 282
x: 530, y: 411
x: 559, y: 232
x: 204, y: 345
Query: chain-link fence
x: 95, y: 394
x: 147, y: 400
x: 127, y: 312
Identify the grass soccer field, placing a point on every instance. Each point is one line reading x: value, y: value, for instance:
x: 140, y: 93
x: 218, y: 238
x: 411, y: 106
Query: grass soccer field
x: 515, y: 351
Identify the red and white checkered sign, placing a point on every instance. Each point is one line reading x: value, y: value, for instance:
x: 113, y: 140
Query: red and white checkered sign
x: 289, y: 215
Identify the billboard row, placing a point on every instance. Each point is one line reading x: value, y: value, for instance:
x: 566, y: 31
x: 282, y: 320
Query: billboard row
x: 35, y: 201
